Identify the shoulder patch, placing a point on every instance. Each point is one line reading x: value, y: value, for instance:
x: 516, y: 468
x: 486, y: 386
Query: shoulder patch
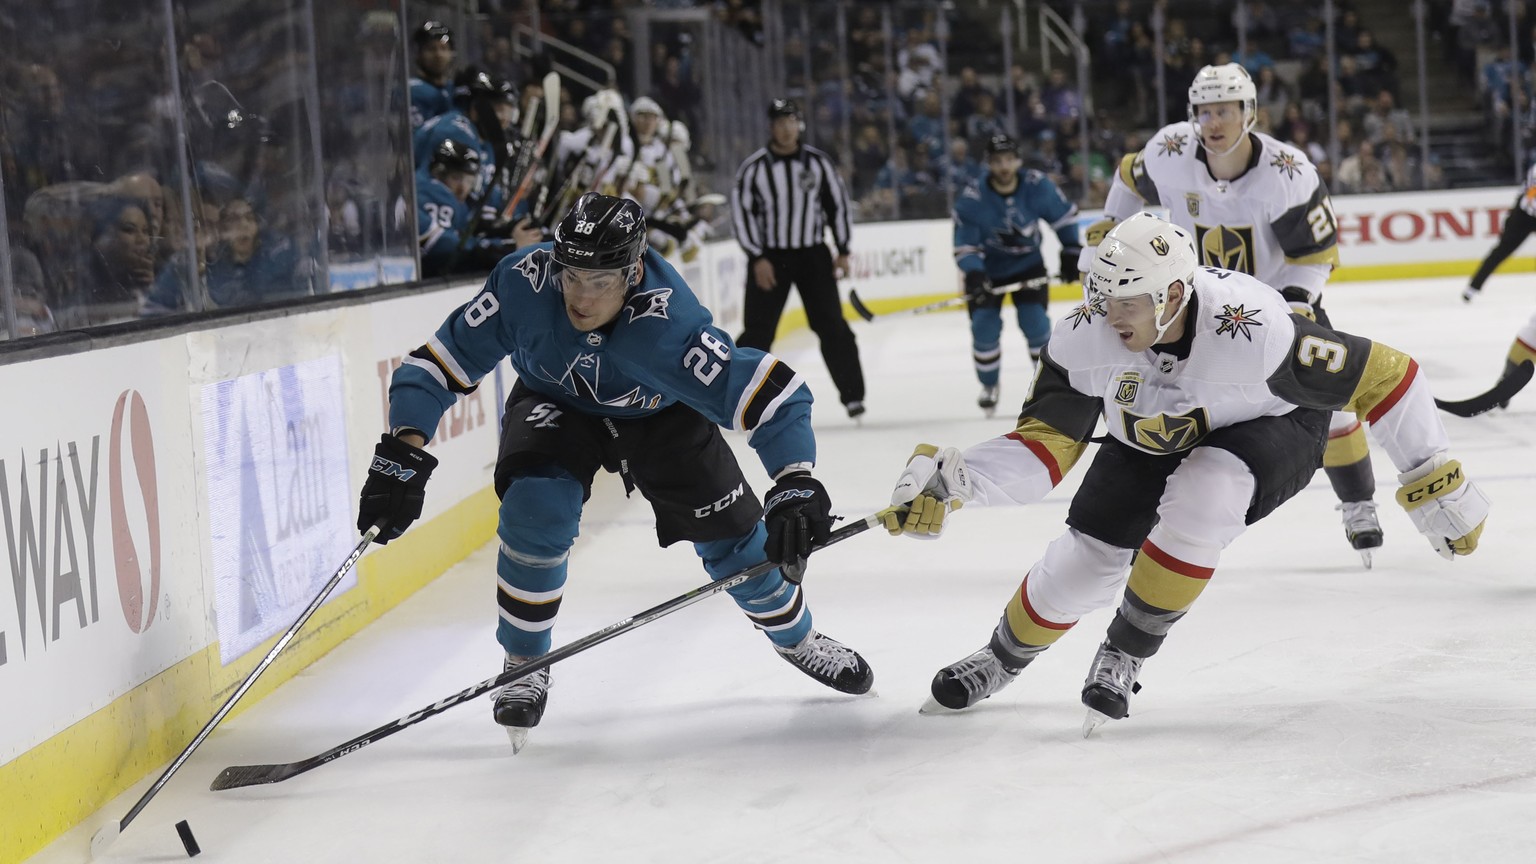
x: 649, y: 304
x: 532, y: 268
x: 1286, y: 164
x: 1172, y: 144
x: 1238, y: 320
x: 1084, y: 312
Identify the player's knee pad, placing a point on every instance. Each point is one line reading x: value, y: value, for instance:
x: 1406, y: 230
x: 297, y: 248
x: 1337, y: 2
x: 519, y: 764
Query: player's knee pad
x: 1204, y: 505
x: 540, y: 515
x: 1077, y: 575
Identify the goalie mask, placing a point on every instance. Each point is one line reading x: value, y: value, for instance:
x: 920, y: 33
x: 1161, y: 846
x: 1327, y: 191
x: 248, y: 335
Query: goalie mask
x: 1217, y: 84
x: 1143, y: 255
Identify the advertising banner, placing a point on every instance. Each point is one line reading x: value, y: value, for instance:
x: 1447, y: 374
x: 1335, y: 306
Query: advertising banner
x: 99, y: 587
x: 279, y: 501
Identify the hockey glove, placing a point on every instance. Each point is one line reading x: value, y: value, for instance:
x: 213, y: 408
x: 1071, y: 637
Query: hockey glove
x: 934, y: 484
x: 798, y: 515
x: 1069, y: 259
x: 1300, y: 300
x: 1444, y: 505
x: 977, y: 287
x: 395, y: 488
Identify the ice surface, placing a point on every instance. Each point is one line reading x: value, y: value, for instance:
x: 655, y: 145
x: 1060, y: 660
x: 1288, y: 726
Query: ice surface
x: 1306, y: 710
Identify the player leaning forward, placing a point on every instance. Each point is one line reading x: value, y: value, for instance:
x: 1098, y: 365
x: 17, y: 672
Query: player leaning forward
x: 1256, y: 205
x: 1216, y: 397
x: 619, y: 367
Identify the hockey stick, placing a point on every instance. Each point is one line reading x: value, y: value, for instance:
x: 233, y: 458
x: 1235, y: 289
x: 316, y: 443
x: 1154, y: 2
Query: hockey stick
x: 551, y: 125
x: 109, y: 832
x: 1500, y: 393
x: 869, y: 315
x: 237, y: 776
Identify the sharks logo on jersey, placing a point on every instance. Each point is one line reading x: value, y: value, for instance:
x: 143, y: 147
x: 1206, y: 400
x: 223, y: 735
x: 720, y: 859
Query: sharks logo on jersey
x: 532, y: 268
x: 583, y: 379
x: 647, y: 304
x: 1016, y: 238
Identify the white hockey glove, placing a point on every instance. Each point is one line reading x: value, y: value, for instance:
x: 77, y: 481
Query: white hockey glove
x: 934, y: 484
x: 1444, y: 505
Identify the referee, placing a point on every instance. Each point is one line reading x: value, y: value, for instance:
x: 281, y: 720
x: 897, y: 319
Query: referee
x: 787, y: 194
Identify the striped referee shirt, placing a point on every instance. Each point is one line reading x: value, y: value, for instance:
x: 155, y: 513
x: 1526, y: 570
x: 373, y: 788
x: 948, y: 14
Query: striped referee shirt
x: 787, y: 202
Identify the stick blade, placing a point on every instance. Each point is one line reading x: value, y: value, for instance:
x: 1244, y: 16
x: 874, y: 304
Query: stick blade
x: 105, y: 836
x: 239, y: 776
x: 1501, y: 392
x: 858, y: 306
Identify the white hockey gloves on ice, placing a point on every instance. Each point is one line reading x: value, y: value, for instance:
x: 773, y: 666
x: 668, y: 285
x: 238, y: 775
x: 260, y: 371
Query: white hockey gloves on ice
x: 934, y: 484
x: 1444, y: 505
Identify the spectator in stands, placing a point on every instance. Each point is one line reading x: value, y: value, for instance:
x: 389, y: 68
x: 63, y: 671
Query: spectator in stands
x: 1177, y: 73
x: 957, y: 167
x: 1377, y: 64
x: 1307, y: 37
x: 918, y: 71
x: 1290, y: 119
x: 1273, y: 93
x: 1384, y: 115
x: 679, y: 98
x: 1301, y: 139
x: 985, y: 123
x: 1117, y: 36
x: 250, y: 265
x: 171, y: 292
x: 1312, y: 85
x: 122, y: 261
x: 970, y: 88
x: 1499, y: 74
x: 925, y: 130
x: 1346, y: 31
x: 36, y: 138
x: 869, y: 156
x: 1402, y: 170
x: 1362, y: 172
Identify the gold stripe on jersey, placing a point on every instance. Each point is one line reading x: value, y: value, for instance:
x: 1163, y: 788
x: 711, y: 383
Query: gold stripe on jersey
x: 1519, y: 352
x: 1385, y: 378
x: 1026, y: 624
x: 1164, y: 582
x: 1327, y: 256
x: 1133, y: 172
x: 1346, y: 447
x: 1055, y: 449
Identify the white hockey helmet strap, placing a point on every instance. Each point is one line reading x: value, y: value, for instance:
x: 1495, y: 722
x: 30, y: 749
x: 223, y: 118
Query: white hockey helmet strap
x: 1229, y: 82
x: 1144, y: 255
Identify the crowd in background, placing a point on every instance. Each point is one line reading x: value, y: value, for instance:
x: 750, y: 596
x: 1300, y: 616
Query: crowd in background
x: 287, y: 186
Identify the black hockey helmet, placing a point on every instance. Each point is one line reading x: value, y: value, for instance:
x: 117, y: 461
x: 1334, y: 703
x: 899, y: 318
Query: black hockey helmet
x: 431, y: 31
x: 1001, y: 143
x: 783, y: 108
x: 600, y: 233
x: 472, y: 84
x: 454, y: 155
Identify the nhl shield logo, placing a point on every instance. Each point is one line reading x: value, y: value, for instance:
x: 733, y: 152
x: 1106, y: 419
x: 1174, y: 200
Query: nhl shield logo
x: 1192, y: 203
x: 1126, y: 387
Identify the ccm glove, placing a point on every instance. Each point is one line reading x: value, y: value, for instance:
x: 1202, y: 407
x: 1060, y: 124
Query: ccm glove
x: 395, y: 488
x: 1300, y: 300
x: 977, y: 286
x: 798, y: 515
x: 934, y: 484
x: 1444, y: 505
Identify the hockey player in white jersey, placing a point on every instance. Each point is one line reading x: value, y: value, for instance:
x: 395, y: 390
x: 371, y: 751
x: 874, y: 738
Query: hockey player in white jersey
x: 1257, y: 206
x: 1216, y: 397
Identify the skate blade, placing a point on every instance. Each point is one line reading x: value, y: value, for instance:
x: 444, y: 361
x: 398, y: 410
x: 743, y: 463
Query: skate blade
x: 518, y: 736
x: 1365, y: 557
x: 931, y: 707
x: 1094, y: 720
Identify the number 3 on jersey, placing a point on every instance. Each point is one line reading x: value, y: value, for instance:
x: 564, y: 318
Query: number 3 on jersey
x: 1313, y: 348
x: 704, y: 367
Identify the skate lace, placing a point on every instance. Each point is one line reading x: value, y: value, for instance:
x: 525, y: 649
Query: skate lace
x: 1359, y: 516
x: 525, y: 689
x: 982, y: 673
x: 1114, y: 670
x: 824, y: 656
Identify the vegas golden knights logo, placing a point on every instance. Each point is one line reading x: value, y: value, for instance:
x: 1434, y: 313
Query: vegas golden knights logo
x: 1159, y: 245
x: 1192, y: 202
x: 1164, y: 433
x: 1230, y: 248
x: 1126, y: 387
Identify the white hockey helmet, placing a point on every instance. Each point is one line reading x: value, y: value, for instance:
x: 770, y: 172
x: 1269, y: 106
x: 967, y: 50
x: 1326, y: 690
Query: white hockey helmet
x: 1143, y: 255
x: 645, y: 105
x: 1229, y: 82
x: 602, y: 107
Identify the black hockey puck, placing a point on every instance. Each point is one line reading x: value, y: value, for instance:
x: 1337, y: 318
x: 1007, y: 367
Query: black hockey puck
x: 187, y: 839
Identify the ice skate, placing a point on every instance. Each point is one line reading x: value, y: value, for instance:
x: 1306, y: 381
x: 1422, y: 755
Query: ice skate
x: 960, y: 685
x: 1107, y: 692
x: 1361, y: 527
x: 987, y: 401
x: 830, y: 662
x: 1469, y: 293
x: 855, y: 411
x: 520, y: 704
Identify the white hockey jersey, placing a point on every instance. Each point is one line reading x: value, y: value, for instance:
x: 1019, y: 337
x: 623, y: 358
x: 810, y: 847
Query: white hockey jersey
x: 1275, y: 221
x: 1243, y: 355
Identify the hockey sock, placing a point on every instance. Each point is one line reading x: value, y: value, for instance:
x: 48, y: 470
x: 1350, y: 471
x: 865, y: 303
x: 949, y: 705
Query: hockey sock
x: 1023, y: 633
x: 774, y: 605
x: 1161, y: 589
x: 1347, y: 462
x: 1519, y: 352
x: 538, y: 523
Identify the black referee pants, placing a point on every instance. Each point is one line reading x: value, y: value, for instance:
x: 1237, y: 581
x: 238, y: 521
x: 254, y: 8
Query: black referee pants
x: 1517, y: 226
x: 810, y: 270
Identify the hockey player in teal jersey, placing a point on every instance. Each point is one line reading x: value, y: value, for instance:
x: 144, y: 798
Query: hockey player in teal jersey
x: 473, y: 122
x: 432, y: 87
x: 619, y: 367
x: 442, y: 219
x: 997, y: 247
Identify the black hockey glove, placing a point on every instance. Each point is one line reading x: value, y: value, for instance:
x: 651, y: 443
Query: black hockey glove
x: 977, y: 287
x: 798, y: 514
x: 1069, y: 256
x: 395, y: 488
